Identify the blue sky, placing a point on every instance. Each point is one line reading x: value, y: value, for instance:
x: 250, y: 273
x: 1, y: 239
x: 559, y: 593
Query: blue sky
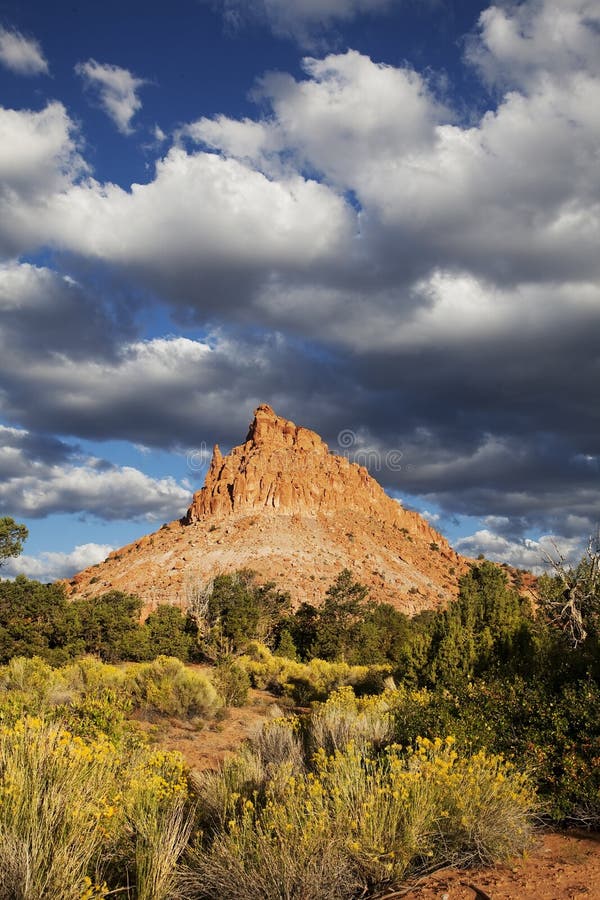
x: 380, y: 216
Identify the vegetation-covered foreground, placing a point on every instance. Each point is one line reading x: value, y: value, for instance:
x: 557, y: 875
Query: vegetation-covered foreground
x: 319, y: 807
x: 429, y: 741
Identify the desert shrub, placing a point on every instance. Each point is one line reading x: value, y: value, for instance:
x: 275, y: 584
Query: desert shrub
x: 26, y: 684
x: 13, y: 707
x: 555, y: 733
x: 87, y: 697
x: 318, y: 678
x: 29, y: 675
x: 484, y: 805
x: 344, y: 718
x: 406, y: 811
x: 267, y: 672
x: 305, y: 682
x: 88, y: 675
x: 159, y: 820
x: 166, y: 686
x: 232, y: 682
x: 54, y: 800
x: 282, y: 849
x: 93, y: 716
x: 77, y: 813
x: 219, y: 791
x: 278, y: 741
x: 360, y: 821
x: 93, y: 698
x: 162, y: 834
x: 273, y: 753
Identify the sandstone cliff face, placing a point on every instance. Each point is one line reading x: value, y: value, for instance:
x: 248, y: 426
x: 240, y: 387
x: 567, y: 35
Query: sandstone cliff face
x: 287, y: 469
x: 283, y: 505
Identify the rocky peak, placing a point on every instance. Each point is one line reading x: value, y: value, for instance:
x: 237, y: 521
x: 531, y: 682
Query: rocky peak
x: 285, y: 469
x: 274, y: 469
x: 270, y: 430
x: 281, y: 504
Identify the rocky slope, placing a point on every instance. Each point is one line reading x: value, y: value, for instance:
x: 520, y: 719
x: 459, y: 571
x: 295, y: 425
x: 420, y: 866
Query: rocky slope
x: 283, y: 505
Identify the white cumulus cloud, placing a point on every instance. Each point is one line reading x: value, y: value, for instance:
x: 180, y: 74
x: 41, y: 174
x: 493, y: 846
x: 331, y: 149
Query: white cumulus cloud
x: 116, y: 89
x: 21, y: 54
x: 50, y: 566
x: 524, y: 553
x: 40, y: 480
x: 230, y: 227
x: 518, y: 43
x: 39, y: 158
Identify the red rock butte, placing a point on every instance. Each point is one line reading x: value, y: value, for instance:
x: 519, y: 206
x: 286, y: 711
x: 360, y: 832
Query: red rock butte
x: 283, y: 505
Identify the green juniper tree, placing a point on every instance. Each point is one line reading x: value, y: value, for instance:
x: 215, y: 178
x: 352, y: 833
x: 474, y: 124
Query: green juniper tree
x: 12, y: 535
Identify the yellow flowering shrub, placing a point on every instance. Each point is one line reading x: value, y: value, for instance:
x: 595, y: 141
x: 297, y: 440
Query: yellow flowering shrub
x: 317, y: 806
x: 344, y: 718
x: 485, y: 804
x: 372, y: 818
x: 304, y: 682
x: 167, y: 686
x: 70, y: 807
x: 279, y: 846
x: 55, y: 791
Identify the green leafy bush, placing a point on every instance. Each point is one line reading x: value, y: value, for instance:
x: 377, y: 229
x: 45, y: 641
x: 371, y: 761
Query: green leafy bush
x: 232, y: 682
x: 237, y: 611
x: 553, y: 733
x: 36, y: 620
x: 167, y: 632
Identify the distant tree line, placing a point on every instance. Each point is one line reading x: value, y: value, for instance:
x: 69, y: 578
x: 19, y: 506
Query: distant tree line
x: 37, y: 620
x: 489, y: 630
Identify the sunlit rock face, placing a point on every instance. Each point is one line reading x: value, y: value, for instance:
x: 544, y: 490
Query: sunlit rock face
x: 281, y: 504
x: 285, y: 468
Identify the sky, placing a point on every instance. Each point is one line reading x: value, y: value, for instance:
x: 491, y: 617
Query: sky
x: 382, y: 217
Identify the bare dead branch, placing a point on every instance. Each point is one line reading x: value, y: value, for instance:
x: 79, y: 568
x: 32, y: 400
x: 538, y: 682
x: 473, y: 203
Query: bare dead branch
x: 580, y: 595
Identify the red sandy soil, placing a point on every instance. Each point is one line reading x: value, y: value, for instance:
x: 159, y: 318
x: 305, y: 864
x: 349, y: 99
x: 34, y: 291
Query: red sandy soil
x: 562, y: 866
x: 207, y: 745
